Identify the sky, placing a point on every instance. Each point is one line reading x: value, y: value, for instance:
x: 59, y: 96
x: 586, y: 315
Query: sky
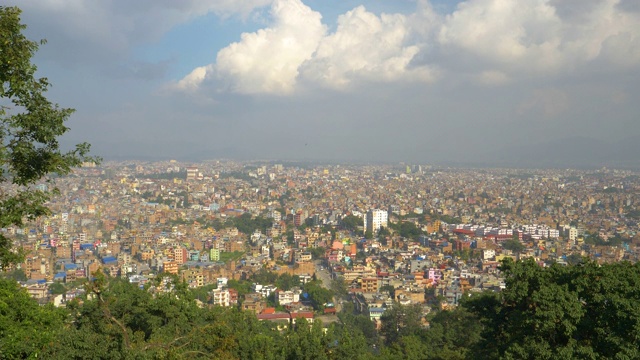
x: 342, y: 80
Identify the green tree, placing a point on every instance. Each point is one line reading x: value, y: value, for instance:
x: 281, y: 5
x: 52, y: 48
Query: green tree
x: 241, y: 286
x: 26, y: 328
x: 351, y: 222
x: 383, y: 232
x: 407, y: 229
x: 264, y: 277
x: 16, y: 274
x: 247, y: 224
x: 407, y: 347
x: 359, y: 323
x: 513, y: 245
x: 452, y: 334
x: 399, y: 321
x: 202, y: 293
x: 350, y: 344
x: 339, y: 287
x: 584, y: 311
x: 389, y: 289
x: 318, y: 295
x: 575, y: 259
x: 290, y: 237
x: 57, y: 288
x: 31, y: 127
x: 286, y: 281
x: 317, y: 252
x: 307, y: 341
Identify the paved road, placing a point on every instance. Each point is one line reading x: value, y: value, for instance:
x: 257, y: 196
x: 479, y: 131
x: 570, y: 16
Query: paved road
x: 324, y: 276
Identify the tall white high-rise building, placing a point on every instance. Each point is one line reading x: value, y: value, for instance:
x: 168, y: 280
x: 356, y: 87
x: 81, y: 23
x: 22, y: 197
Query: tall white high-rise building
x: 192, y: 173
x: 375, y: 219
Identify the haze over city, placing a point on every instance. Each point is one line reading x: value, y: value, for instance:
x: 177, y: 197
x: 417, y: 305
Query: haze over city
x: 534, y: 83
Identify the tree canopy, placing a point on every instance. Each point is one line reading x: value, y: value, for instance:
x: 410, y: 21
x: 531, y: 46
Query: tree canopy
x: 407, y: 229
x: 588, y: 311
x: 513, y: 245
x: 30, y: 129
x: 25, y: 327
x: 351, y: 222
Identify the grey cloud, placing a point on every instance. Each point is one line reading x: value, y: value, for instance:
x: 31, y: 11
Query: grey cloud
x: 479, y: 105
x: 629, y: 5
x: 139, y: 70
x: 90, y: 33
x: 392, y: 123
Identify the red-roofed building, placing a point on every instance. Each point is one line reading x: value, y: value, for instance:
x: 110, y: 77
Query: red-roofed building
x: 300, y: 315
x: 464, y: 232
x: 269, y: 310
x: 289, y: 317
x: 275, y: 317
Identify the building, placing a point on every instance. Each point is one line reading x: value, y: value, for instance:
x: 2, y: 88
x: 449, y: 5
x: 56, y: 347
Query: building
x: 180, y: 255
x: 214, y: 254
x: 38, y: 291
x: 369, y: 284
x: 299, y: 218
x: 264, y: 290
x: 254, y: 302
x: 288, y: 297
x: 275, y: 215
x: 193, y: 277
x: 192, y: 173
x: 302, y: 256
x: 220, y: 297
x: 170, y: 267
x: 488, y: 254
x: 375, y: 219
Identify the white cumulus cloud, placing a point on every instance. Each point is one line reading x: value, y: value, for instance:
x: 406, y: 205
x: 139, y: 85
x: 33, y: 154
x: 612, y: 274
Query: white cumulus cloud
x: 296, y: 47
x: 268, y: 60
x: 490, y: 42
x: 192, y: 81
x: 366, y: 46
x: 504, y: 32
x: 540, y: 36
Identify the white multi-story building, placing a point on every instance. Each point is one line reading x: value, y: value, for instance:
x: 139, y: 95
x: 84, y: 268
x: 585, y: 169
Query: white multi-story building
x: 488, y: 254
x: 220, y: 297
x: 264, y: 290
x: 192, y: 173
x: 288, y: 297
x: 375, y: 219
x: 275, y: 215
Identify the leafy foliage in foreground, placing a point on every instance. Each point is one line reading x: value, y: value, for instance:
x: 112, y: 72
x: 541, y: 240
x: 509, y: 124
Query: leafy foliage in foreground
x: 585, y: 311
x: 30, y: 126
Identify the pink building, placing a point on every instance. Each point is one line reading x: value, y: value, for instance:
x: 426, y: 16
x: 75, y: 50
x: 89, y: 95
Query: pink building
x: 434, y: 275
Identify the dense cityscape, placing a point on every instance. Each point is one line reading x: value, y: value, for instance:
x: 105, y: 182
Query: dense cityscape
x: 409, y: 233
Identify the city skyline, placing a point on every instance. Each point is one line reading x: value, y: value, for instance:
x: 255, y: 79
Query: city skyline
x: 477, y: 81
